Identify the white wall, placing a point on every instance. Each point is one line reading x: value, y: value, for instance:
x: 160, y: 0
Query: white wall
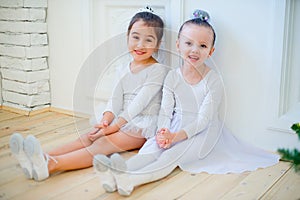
x: 246, y: 54
x: 247, y: 34
x: 66, y: 49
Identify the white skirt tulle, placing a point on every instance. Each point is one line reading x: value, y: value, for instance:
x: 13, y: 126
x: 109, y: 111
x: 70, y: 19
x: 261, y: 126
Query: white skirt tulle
x: 229, y: 155
x: 146, y: 124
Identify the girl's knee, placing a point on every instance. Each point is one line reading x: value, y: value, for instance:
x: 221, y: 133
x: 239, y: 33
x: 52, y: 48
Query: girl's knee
x: 84, y: 140
x: 99, y: 142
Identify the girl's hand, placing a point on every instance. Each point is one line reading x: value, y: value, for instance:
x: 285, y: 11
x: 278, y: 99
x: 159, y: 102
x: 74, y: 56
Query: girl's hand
x: 110, y: 129
x: 160, y: 140
x: 96, y: 133
x: 103, y: 129
x: 164, y: 138
x: 93, y: 131
x: 102, y: 124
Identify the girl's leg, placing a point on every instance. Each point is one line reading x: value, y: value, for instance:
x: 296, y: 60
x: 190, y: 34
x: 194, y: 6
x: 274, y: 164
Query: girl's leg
x: 139, y: 161
x: 126, y: 181
x: 163, y: 166
x: 147, y: 154
x: 79, y: 143
x: 103, y: 167
x: 83, y: 158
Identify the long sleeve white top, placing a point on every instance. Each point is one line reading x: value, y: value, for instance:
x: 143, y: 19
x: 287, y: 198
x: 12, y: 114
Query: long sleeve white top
x: 138, y: 93
x: 194, y: 105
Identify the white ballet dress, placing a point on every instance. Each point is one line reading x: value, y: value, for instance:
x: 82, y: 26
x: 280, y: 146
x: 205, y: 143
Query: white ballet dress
x: 210, y: 146
x: 137, y: 97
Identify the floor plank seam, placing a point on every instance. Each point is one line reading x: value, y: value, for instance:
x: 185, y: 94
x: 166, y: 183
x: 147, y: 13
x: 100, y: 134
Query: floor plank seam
x: 275, y: 183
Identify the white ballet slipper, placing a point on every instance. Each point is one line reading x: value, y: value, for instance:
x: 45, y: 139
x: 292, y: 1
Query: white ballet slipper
x: 119, y: 167
x: 16, y: 144
x: 102, y: 166
x: 39, y: 162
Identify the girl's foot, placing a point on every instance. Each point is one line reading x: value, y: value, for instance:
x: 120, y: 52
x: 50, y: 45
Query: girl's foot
x: 16, y: 144
x: 102, y: 166
x: 35, y: 153
x: 119, y: 167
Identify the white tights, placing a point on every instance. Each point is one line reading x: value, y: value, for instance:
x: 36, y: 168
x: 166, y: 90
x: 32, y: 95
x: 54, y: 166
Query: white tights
x: 145, y: 168
x: 152, y: 163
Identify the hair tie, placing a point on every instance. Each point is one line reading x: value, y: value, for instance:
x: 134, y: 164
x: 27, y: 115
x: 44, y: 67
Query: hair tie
x: 146, y: 9
x: 201, y: 14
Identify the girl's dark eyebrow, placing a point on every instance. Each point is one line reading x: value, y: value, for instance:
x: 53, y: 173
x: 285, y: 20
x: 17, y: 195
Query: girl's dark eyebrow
x: 151, y: 36
x: 135, y: 33
x: 147, y: 35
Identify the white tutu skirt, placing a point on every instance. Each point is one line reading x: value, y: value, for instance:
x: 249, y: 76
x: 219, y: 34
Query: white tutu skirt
x: 146, y: 124
x: 229, y: 155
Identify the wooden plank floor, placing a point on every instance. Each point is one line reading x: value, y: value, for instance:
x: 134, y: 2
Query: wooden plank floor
x: 54, y: 129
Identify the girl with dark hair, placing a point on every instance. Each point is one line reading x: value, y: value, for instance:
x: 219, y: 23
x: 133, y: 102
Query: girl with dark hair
x: 129, y: 118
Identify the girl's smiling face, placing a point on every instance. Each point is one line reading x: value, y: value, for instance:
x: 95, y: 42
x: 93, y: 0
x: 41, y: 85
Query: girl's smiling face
x: 195, y: 44
x: 142, y: 41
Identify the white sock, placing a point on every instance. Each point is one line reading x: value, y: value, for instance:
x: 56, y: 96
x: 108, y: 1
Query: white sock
x: 102, y: 166
x: 119, y: 168
x: 127, y: 180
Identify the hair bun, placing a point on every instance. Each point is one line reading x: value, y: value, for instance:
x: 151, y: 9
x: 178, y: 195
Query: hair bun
x: 201, y: 14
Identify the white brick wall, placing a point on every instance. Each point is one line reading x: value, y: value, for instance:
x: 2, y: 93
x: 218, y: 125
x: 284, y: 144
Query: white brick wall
x: 11, y: 3
x: 38, y: 39
x: 26, y: 100
x: 36, y: 51
x: 26, y: 88
x: 15, y: 39
x: 23, y: 27
x: 35, y: 3
x: 25, y: 76
x: 23, y: 54
x: 12, y: 51
x: 23, y: 63
x: 22, y: 14
x: 22, y: 39
x: 24, y: 3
